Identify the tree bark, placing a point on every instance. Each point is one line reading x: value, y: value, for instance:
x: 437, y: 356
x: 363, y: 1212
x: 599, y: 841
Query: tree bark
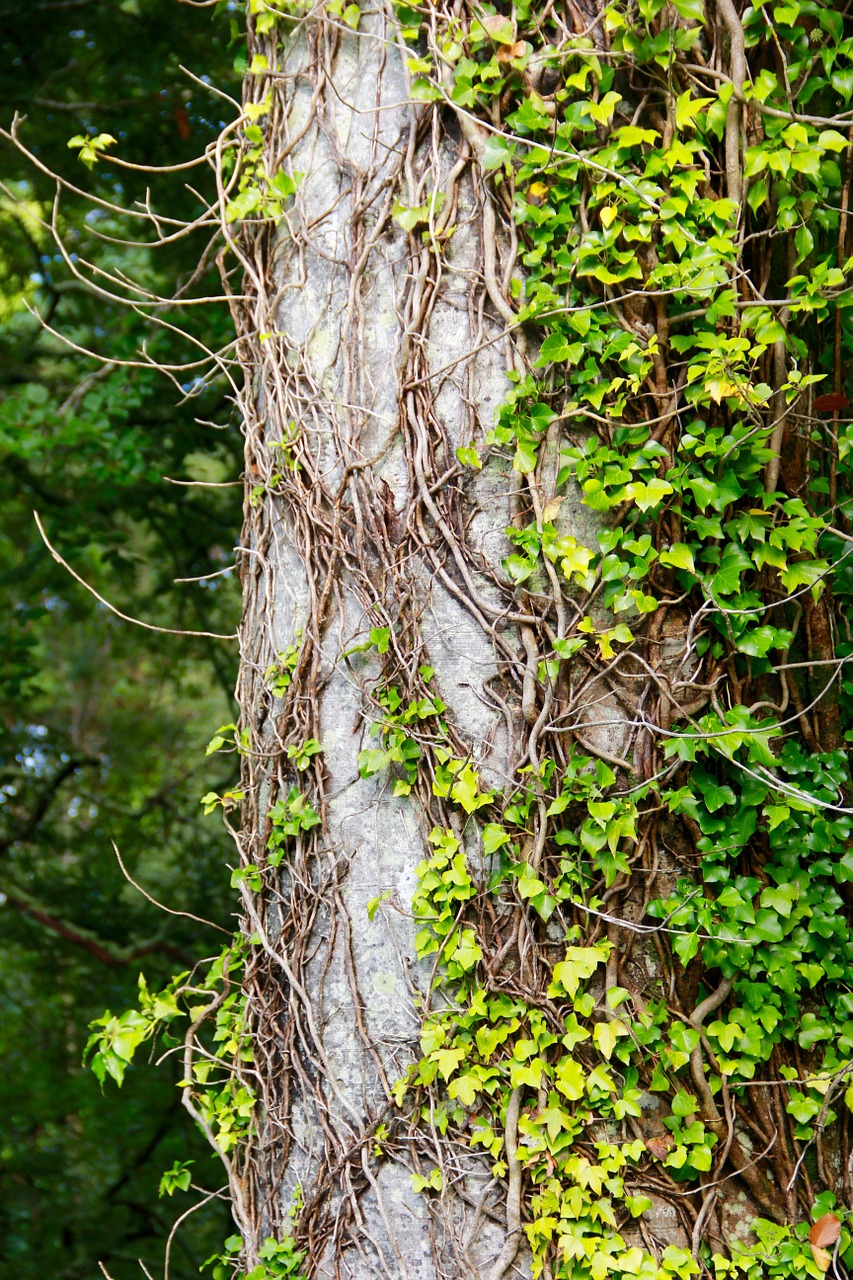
x: 381, y: 354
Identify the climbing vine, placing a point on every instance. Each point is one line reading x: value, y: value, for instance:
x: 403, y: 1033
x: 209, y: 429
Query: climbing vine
x: 636, y: 972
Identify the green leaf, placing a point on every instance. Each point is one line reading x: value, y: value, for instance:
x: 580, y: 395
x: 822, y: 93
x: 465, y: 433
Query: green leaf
x: 780, y: 898
x: 525, y: 457
x: 496, y: 152
x: 177, y: 1178
x: 648, y: 495
x: 433, y: 1181
x: 684, y: 1104
x: 686, y: 946
x: 631, y: 135
x: 90, y: 148
x: 494, y: 837
x: 832, y: 140
x: 714, y: 795
x: 374, y: 903
x: 464, y: 1089
x: 678, y: 556
x: 468, y: 456
x: 692, y: 10
x: 580, y: 963
x: 602, y: 111
x: 687, y: 108
x: 605, y: 1036
x: 466, y: 953
x: 804, y: 241
x: 557, y: 348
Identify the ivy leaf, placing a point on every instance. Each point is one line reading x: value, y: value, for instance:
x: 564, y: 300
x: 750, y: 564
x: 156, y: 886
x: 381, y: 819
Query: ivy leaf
x: 466, y: 952
x: 464, y: 1089
x: 525, y: 457
x: 714, y: 795
x: 687, y: 108
x: 602, y: 111
x: 780, y: 898
x: 284, y: 185
x: 448, y: 1060
x: 659, y: 1147
x: 678, y: 556
x: 569, y: 1079
x: 825, y: 1230
x: 823, y: 1233
x: 91, y: 148
x: 499, y: 28
x: 806, y: 162
x: 434, y: 1181
x: 758, y: 641
x: 805, y: 573
x: 468, y: 456
x: 648, y: 495
x: 776, y: 814
x: 494, y: 837
x: 684, y: 1104
x: 631, y: 135
x: 605, y: 1036
x: 831, y: 140
x: 580, y: 963
x: 726, y: 1033
x: 686, y: 947
x: 465, y: 790
x: 804, y: 240
x: 496, y: 152
x: 692, y: 10
x: 556, y: 348
x: 575, y: 1033
x: 177, y: 1178
x: 374, y: 904
x: 767, y: 927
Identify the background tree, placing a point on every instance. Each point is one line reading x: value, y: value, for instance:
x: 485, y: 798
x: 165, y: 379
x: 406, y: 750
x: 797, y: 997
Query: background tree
x: 103, y: 726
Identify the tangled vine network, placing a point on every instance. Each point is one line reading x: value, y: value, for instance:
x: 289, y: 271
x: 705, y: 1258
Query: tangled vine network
x: 543, y: 317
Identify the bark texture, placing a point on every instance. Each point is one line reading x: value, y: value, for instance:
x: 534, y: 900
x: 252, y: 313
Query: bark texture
x: 382, y: 356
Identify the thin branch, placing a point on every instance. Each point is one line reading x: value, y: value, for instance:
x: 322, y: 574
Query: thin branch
x: 169, y: 910
x: 148, y: 626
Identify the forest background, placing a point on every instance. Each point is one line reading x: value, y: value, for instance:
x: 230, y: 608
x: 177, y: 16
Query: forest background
x: 103, y: 726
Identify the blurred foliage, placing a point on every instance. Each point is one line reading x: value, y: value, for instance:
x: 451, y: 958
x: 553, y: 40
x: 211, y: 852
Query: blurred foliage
x: 103, y: 725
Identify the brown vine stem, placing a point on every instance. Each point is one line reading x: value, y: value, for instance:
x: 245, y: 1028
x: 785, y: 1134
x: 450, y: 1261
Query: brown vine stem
x: 734, y: 110
x: 718, y: 1124
x: 507, y: 1255
x: 169, y: 910
x: 148, y: 626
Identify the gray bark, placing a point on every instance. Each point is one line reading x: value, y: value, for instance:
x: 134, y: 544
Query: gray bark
x: 386, y: 357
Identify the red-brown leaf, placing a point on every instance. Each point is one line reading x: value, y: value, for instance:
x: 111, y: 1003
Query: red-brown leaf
x: 821, y: 1257
x: 825, y: 1231
x: 832, y: 402
x: 659, y: 1147
x: 507, y: 52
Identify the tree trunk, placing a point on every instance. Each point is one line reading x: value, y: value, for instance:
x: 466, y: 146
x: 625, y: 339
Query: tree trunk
x: 421, y: 709
x: 383, y: 357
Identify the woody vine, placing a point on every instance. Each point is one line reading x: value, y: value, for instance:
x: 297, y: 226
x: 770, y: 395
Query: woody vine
x: 637, y: 973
